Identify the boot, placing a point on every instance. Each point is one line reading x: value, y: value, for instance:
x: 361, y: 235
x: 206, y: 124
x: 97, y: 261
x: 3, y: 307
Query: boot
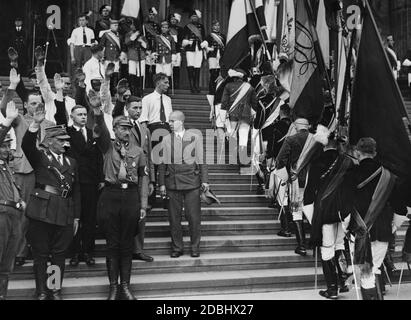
x: 40, y: 274
x: 389, y: 263
x: 113, y: 271
x: 300, y: 235
x: 3, y: 288
x: 190, y: 72
x: 369, y: 294
x: 211, y: 82
x: 379, y: 285
x: 285, y: 230
x: 176, y: 77
x: 125, y: 274
x: 197, y: 80
x: 341, y: 263
x: 330, y: 275
x: 133, y: 81
x: 56, y: 295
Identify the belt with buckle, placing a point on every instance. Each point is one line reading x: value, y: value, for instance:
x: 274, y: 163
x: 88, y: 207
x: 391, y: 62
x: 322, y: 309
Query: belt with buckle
x: 121, y: 186
x: 64, y: 193
x: 12, y: 204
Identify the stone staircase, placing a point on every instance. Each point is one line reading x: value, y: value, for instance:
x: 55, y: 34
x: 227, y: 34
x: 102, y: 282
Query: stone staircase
x: 240, y: 251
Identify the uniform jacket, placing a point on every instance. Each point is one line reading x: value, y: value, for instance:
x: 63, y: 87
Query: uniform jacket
x: 290, y: 152
x: 135, y: 51
x: 19, y: 41
x: 276, y: 139
x: 163, y: 50
x: 189, y: 35
x: 174, y: 172
x: 177, y: 33
x: 212, y: 43
x: 151, y: 39
x: 44, y: 206
x: 112, y: 47
x: 361, y: 199
x: 101, y: 24
x: 87, y: 154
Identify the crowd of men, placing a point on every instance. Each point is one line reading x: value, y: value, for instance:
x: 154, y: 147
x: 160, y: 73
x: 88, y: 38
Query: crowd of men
x: 83, y: 161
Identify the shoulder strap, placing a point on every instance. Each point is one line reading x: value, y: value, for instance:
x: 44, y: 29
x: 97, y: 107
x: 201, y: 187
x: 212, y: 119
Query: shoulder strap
x: 370, y: 178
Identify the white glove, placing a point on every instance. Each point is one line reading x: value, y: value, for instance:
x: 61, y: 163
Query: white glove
x: 123, y: 57
x: 204, y: 44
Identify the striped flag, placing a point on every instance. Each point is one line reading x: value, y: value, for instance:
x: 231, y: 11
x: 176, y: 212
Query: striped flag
x: 306, y: 98
x: 131, y: 8
x: 237, y: 36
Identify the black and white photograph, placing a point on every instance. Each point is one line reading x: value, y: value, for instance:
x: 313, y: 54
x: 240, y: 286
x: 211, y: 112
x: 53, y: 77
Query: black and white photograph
x: 205, y: 156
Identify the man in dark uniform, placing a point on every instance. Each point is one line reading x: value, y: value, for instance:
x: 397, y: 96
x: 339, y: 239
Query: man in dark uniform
x: 114, y: 48
x: 165, y: 50
x: 177, y: 33
x: 214, y: 45
x: 288, y: 157
x: 151, y: 29
x: 19, y: 43
x: 103, y: 23
x: 83, y: 148
x: 180, y: 177
x: 54, y: 207
x: 11, y: 204
x: 194, y: 35
x: 141, y: 137
x: 123, y: 200
x: 374, y: 201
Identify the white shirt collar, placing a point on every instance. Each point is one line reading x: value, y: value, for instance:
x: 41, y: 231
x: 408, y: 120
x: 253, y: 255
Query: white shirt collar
x: 181, y: 134
x: 56, y: 156
x: 77, y: 127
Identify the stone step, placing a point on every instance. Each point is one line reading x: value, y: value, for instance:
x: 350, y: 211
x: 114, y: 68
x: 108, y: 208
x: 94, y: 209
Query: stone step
x: 188, y: 283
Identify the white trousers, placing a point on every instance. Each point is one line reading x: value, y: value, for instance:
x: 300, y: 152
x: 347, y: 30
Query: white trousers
x: 378, y: 251
x: 194, y: 58
x: 164, y: 68
x: 116, y: 65
x: 134, y: 68
x: 333, y: 239
x: 214, y: 63
x: 177, y: 61
x: 243, y: 131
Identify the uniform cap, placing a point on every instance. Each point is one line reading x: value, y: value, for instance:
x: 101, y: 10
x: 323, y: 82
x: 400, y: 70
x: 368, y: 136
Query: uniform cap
x: 196, y: 12
x: 153, y: 10
x: 113, y: 21
x: 164, y: 23
x: 58, y: 132
x: 367, y: 145
x: 122, y: 121
x: 237, y: 73
x: 104, y: 7
x: 176, y: 16
x: 209, y: 197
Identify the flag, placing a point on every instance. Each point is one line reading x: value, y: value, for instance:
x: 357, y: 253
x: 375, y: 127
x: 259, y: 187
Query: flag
x: 377, y: 107
x: 286, y: 28
x: 270, y: 12
x: 237, y: 36
x: 131, y: 8
x: 323, y: 34
x: 252, y: 23
x: 306, y: 98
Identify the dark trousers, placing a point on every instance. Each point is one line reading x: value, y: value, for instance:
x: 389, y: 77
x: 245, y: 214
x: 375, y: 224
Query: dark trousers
x: 190, y: 200
x: 10, y: 233
x: 118, y: 214
x: 26, y: 182
x: 81, y: 55
x: 150, y: 72
x: 48, y: 240
x: 139, y: 239
x: 83, y: 241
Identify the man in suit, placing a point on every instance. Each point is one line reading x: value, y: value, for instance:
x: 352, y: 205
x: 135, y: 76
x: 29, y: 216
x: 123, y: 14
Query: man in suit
x: 181, y: 176
x: 54, y: 207
x: 19, y: 43
x: 90, y: 166
x: 141, y: 137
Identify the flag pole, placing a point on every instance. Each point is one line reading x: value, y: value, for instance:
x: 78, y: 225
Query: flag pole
x: 261, y: 34
x: 317, y: 48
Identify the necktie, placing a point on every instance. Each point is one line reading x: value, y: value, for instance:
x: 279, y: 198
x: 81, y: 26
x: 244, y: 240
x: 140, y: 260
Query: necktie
x: 84, y: 132
x: 122, y: 173
x: 162, y: 113
x: 137, y: 130
x: 60, y: 159
x: 84, y: 36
